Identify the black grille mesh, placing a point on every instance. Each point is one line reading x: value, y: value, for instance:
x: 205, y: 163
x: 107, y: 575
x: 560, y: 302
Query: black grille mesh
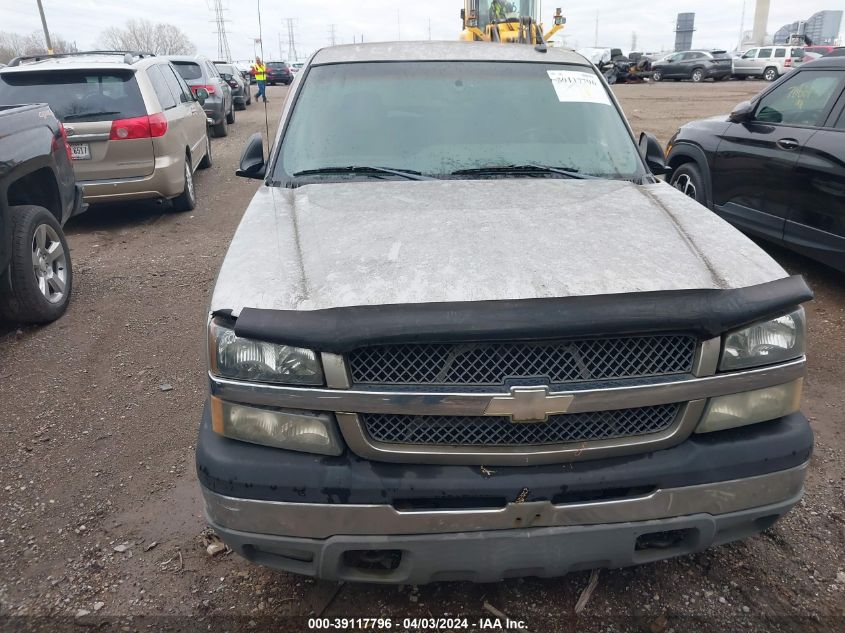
x: 493, y: 363
x: 500, y: 431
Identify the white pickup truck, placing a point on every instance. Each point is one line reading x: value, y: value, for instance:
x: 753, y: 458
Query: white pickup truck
x: 463, y: 333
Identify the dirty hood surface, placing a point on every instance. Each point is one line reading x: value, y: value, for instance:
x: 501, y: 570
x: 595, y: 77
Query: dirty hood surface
x: 383, y: 242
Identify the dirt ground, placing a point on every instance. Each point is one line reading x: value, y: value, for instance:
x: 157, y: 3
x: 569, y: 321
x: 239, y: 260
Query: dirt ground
x: 101, y: 521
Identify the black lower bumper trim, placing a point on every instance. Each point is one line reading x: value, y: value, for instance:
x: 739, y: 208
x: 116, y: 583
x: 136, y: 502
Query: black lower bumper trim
x: 247, y: 471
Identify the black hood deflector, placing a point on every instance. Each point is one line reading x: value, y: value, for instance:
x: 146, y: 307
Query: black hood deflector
x: 704, y: 313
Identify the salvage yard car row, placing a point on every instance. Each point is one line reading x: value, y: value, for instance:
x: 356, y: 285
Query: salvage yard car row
x: 135, y: 127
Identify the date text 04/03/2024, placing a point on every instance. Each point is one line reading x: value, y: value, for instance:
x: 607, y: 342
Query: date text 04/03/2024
x: 417, y: 624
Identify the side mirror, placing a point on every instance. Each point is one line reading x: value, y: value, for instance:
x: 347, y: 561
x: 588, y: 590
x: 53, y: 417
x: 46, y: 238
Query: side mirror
x: 653, y: 154
x: 252, y: 160
x: 743, y: 113
x: 201, y: 94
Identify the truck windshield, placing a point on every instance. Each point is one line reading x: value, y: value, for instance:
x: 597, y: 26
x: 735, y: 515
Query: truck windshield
x: 76, y: 95
x: 443, y: 118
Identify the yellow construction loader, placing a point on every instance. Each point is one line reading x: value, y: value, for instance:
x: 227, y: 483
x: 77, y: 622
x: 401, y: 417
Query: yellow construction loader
x: 507, y: 21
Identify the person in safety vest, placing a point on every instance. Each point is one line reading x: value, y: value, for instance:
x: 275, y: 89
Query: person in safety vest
x: 260, y: 72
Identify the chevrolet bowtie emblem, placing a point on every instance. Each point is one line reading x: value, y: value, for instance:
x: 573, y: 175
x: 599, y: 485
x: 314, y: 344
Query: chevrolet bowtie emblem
x: 529, y: 404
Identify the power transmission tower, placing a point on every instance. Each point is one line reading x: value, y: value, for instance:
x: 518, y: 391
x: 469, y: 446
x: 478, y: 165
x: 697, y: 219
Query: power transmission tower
x: 223, y: 52
x: 333, y: 34
x: 292, y: 56
x: 634, y: 41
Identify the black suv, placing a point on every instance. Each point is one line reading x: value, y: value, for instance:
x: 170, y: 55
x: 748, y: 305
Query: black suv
x: 775, y: 167
x: 278, y: 73
x: 694, y: 65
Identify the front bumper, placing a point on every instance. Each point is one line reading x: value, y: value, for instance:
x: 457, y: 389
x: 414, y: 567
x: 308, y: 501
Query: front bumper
x: 305, y: 513
x: 490, y: 556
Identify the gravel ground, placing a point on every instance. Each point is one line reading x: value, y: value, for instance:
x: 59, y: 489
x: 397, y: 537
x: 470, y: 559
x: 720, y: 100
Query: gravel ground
x: 101, y: 521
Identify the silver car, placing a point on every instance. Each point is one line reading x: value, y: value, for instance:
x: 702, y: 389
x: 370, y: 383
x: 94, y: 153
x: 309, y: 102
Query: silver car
x: 769, y: 62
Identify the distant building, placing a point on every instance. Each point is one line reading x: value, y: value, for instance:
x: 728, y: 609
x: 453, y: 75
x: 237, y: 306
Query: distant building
x: 822, y: 28
x: 683, y: 31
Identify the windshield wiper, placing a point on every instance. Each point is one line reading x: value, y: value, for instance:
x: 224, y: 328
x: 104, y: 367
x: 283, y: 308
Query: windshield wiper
x: 83, y: 114
x: 364, y: 169
x: 524, y: 169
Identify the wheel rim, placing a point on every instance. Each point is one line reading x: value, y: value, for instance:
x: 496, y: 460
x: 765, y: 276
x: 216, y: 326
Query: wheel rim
x: 49, y: 261
x: 696, y: 76
x: 189, y: 180
x: 770, y: 75
x: 686, y: 186
x: 657, y: 76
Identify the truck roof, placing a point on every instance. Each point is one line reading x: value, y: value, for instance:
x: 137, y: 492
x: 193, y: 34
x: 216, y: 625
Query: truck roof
x: 444, y: 51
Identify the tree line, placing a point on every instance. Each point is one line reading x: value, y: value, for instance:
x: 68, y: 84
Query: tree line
x: 136, y: 35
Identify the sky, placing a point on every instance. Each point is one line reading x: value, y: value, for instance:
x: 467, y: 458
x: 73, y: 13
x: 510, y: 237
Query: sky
x: 717, y: 21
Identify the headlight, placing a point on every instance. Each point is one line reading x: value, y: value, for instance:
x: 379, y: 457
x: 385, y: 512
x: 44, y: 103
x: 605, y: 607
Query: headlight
x: 231, y: 356
x: 765, y: 343
x: 306, y: 431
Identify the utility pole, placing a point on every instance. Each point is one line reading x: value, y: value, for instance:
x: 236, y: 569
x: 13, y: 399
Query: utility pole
x: 634, y: 41
x: 398, y: 24
x: 429, y: 29
x: 223, y: 52
x: 46, y: 30
x: 741, y: 28
x: 333, y: 34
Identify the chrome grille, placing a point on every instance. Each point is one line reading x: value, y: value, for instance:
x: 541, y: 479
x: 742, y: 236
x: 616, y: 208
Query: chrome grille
x: 493, y: 363
x: 501, y: 431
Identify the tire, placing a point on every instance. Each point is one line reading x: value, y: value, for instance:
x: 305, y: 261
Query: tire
x: 770, y: 74
x: 240, y: 106
x: 688, y: 180
x: 697, y: 75
x: 657, y: 75
x: 230, y: 117
x: 248, y: 96
x: 207, y: 160
x: 39, y: 281
x: 187, y: 200
x: 221, y: 129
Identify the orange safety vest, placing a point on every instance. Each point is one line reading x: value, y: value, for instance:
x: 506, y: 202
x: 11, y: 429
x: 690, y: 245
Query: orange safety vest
x: 260, y: 71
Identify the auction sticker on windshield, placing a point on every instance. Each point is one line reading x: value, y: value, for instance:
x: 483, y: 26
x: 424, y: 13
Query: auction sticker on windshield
x: 574, y: 86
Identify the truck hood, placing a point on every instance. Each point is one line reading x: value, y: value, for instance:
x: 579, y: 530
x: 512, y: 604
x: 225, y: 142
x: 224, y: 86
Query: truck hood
x: 387, y: 242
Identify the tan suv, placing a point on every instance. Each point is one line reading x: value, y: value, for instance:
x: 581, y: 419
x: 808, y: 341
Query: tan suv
x: 135, y: 129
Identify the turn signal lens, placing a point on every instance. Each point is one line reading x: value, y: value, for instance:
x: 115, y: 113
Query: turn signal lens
x: 751, y: 407
x: 291, y: 429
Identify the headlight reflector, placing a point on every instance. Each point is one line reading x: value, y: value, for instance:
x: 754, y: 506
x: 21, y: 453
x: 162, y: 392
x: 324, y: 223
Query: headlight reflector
x: 751, y: 407
x: 765, y: 343
x: 292, y: 429
x: 246, y: 359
